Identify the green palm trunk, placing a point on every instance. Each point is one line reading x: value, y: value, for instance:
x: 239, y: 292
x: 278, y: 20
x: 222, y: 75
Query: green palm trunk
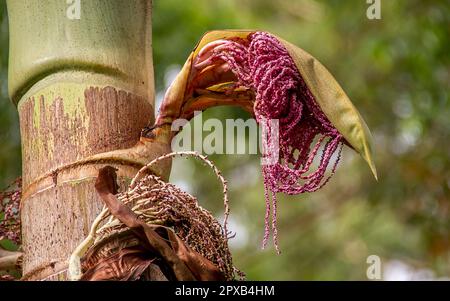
x: 82, y: 87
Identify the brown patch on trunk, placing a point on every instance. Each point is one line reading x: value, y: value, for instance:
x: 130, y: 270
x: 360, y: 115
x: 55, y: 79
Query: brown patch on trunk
x: 56, y: 218
x: 113, y: 121
x: 126, y: 115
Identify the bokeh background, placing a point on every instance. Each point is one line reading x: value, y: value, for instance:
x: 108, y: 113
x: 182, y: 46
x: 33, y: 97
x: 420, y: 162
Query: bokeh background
x: 396, y: 70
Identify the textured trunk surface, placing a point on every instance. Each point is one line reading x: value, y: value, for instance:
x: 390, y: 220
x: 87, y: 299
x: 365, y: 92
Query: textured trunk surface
x: 82, y: 87
x: 58, y: 209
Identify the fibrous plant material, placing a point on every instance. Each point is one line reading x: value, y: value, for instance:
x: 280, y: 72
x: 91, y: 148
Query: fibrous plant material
x: 153, y: 222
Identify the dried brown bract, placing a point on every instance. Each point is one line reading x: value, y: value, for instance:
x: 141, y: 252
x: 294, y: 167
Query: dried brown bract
x: 156, y: 226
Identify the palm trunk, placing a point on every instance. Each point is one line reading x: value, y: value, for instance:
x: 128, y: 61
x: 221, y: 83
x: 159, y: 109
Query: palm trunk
x: 82, y: 87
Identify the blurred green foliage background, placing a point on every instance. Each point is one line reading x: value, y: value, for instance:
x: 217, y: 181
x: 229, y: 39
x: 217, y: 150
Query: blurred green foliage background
x: 396, y: 70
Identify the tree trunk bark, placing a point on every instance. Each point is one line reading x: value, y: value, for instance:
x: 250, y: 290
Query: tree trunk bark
x: 82, y: 87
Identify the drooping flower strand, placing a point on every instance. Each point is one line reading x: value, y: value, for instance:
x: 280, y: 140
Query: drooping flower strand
x: 263, y: 64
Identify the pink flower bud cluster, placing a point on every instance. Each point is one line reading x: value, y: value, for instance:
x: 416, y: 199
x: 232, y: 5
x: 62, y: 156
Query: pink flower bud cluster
x: 10, y: 206
x: 263, y: 64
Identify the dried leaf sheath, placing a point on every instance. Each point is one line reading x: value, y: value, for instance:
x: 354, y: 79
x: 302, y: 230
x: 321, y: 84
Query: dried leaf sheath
x: 156, y: 222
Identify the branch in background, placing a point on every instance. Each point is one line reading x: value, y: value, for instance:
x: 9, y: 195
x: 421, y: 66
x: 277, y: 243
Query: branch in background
x: 10, y: 260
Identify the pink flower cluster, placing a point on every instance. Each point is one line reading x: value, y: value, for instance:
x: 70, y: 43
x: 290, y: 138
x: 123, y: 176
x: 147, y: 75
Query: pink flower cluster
x: 263, y: 64
x: 10, y: 207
